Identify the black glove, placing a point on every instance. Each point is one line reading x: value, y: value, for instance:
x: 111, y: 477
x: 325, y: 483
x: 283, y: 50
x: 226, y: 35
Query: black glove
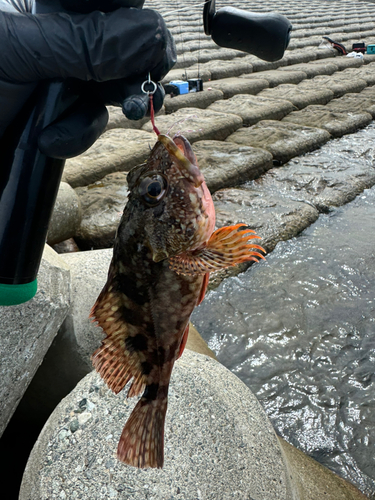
x: 99, y: 50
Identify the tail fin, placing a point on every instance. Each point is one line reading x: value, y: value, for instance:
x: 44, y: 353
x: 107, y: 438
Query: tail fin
x: 142, y: 439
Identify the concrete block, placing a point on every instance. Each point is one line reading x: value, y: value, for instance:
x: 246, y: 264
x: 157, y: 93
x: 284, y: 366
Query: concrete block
x: 219, y: 444
x: 27, y: 331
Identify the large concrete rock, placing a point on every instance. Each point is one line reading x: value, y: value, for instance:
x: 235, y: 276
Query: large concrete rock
x: 348, y: 62
x: 66, y: 215
x: 196, y: 343
x: 366, y: 73
x: 237, y: 85
x: 283, y: 140
x: 89, y: 272
x: 116, y: 150
x: 27, y: 331
x: 219, y: 444
x: 68, y: 358
x: 253, y: 109
x: 325, y: 67
x: 192, y: 100
x: 227, y: 69
x: 196, y: 44
x: 324, y: 53
x: 313, y: 481
x: 102, y: 205
x: 183, y: 73
x: 354, y: 103
x: 198, y: 124
x: 298, y: 43
x: 278, y: 77
x: 190, y: 30
x: 225, y: 164
x: 297, y: 95
x: 259, y: 65
x: 336, y: 123
x: 215, y: 54
x: 368, y: 92
x: 184, y: 60
x: 324, y: 185
x: 337, y: 83
x: 299, y: 56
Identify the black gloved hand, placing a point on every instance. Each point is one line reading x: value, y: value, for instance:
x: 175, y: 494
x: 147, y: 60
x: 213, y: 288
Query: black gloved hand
x: 118, y: 48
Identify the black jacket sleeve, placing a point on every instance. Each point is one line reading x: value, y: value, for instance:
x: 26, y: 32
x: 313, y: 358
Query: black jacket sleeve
x: 119, y: 47
x: 97, y: 46
x: 16, y: 5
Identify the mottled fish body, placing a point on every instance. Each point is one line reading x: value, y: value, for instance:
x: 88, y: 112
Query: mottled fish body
x: 164, y: 250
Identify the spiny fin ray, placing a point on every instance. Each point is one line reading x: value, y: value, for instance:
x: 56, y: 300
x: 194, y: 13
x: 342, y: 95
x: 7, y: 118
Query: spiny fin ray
x: 228, y: 246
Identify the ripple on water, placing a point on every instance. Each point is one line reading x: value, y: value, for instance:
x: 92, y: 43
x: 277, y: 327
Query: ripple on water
x: 299, y: 330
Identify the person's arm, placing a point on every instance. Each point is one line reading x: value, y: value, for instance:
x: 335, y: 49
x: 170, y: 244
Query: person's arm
x: 120, y: 47
x: 16, y: 5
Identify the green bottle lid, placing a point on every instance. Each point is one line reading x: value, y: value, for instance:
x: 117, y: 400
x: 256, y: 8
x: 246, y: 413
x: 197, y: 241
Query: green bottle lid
x: 11, y: 295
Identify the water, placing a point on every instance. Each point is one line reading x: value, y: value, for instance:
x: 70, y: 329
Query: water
x: 299, y: 330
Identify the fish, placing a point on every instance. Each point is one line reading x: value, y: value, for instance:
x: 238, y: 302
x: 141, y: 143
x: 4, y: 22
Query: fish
x: 165, y: 248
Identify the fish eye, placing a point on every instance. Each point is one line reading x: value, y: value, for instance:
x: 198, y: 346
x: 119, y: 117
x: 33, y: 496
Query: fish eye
x: 153, y: 189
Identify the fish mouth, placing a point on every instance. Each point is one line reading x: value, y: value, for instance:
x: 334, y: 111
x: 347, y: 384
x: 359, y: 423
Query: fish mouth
x: 179, y: 147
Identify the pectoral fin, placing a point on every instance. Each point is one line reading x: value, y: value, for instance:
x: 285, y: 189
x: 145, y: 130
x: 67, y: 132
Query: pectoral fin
x: 228, y: 246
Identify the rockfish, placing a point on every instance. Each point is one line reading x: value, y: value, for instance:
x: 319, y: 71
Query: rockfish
x: 164, y: 250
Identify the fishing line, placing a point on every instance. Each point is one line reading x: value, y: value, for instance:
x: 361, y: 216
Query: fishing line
x: 152, y: 115
x: 150, y: 82
x: 182, y: 44
x: 199, y: 50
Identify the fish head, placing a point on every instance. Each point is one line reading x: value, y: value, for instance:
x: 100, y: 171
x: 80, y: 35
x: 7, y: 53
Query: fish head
x: 169, y: 200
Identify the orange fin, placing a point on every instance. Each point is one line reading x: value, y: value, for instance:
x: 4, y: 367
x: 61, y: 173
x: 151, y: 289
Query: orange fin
x: 115, y: 363
x: 228, y: 246
x: 142, y: 439
x: 183, y: 341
